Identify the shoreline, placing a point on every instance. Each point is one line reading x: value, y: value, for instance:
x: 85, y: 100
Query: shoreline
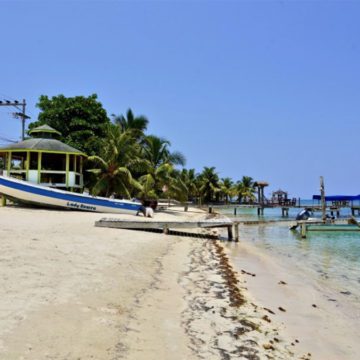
x: 317, y: 320
x: 75, y: 291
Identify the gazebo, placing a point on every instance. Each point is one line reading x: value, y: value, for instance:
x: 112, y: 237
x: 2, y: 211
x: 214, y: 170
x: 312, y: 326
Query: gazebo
x: 279, y: 197
x: 43, y: 159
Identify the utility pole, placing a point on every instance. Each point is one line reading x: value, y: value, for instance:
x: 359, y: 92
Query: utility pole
x: 22, y: 115
x: 323, y: 201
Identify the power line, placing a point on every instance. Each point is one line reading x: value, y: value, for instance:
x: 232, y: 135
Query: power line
x: 3, y: 138
x: 20, y: 106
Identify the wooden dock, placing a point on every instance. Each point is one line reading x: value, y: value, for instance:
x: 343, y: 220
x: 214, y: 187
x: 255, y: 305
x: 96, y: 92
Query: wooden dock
x: 165, y: 226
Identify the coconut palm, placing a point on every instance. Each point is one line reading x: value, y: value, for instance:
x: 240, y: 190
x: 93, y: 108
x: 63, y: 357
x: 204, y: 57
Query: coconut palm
x: 136, y: 124
x: 190, y: 179
x: 245, y: 189
x: 227, y: 188
x: 119, y: 154
x: 209, y: 184
x: 158, y: 163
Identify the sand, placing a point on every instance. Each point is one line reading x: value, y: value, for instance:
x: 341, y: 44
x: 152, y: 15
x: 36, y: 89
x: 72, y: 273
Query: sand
x: 70, y: 290
x: 322, y: 323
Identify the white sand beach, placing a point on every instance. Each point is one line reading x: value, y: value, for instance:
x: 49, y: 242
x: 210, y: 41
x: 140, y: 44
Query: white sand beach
x: 74, y: 291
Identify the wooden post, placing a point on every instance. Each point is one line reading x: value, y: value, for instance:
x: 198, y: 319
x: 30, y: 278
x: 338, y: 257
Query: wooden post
x: 323, y: 201
x: 285, y: 212
x: 67, y: 167
x: 230, y: 233
x: 27, y: 167
x: 39, y: 167
x: 236, y: 230
x: 3, y: 200
x: 303, y: 230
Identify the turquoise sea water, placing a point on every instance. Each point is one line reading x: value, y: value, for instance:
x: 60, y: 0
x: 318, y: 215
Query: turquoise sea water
x: 332, y: 259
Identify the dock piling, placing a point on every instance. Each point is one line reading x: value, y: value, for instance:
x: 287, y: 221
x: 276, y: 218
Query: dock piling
x: 236, y: 230
x: 285, y: 212
x: 230, y: 232
x: 303, y: 230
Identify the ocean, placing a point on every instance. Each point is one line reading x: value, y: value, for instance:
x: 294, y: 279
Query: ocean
x: 330, y: 259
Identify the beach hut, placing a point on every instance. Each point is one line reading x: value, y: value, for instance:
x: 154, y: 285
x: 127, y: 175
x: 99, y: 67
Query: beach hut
x: 279, y: 197
x: 43, y: 159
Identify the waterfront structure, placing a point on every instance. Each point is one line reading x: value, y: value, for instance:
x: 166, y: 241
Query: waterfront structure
x: 261, y: 197
x: 43, y: 159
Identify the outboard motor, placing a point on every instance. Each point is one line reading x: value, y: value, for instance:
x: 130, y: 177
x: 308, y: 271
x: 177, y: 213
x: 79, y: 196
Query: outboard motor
x: 303, y: 215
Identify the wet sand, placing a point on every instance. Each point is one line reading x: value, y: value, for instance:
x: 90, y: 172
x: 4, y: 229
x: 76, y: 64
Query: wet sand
x: 314, y: 321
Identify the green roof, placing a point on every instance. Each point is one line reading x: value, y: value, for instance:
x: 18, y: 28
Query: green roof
x: 44, y: 129
x: 42, y: 145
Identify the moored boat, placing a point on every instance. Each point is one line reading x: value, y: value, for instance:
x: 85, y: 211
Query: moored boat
x: 332, y: 227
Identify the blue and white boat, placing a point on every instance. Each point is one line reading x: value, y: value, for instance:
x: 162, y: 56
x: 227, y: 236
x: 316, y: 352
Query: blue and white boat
x: 24, y: 191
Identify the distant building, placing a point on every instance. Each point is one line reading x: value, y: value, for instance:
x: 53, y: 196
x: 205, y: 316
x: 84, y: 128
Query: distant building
x: 279, y: 197
x: 43, y: 159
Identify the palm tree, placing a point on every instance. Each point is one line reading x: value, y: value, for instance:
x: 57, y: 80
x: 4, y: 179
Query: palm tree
x: 159, y: 162
x: 227, y: 188
x: 190, y: 179
x: 209, y: 181
x: 245, y: 189
x: 119, y: 153
x: 135, y: 124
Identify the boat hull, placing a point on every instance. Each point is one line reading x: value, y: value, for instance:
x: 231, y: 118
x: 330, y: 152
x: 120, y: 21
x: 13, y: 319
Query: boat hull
x: 26, y: 192
x: 332, y: 227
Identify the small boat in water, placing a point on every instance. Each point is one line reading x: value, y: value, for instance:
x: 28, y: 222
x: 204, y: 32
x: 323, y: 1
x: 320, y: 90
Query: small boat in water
x: 26, y: 192
x: 332, y: 227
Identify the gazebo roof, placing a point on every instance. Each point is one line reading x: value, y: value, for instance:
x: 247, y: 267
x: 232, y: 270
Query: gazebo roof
x: 50, y: 145
x: 44, y: 129
x: 261, y: 183
x: 280, y: 192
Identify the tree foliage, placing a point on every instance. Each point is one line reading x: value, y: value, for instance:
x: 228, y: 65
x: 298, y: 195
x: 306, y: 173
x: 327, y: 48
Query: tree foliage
x: 124, y: 160
x: 159, y: 173
x: 82, y: 121
x: 135, y: 124
x: 245, y: 190
x: 113, y: 167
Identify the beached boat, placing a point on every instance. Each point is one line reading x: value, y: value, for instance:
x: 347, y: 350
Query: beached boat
x: 26, y: 192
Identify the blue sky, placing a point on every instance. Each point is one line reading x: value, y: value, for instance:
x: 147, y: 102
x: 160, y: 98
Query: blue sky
x: 266, y: 89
